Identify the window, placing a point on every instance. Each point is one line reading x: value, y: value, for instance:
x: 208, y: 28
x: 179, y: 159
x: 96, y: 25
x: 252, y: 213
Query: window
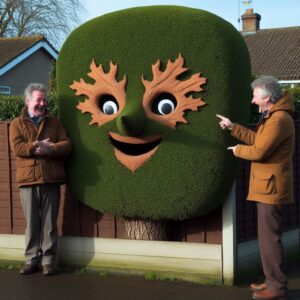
x: 4, y: 90
x: 289, y: 84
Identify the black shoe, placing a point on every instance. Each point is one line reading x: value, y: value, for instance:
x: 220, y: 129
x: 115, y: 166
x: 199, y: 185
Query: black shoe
x: 49, y: 270
x: 29, y: 269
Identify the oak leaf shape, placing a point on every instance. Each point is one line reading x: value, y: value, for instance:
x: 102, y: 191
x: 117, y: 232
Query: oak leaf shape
x: 166, y: 82
x: 105, y: 84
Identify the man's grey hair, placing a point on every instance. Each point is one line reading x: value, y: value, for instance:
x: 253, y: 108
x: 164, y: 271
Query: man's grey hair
x: 34, y: 87
x: 269, y: 86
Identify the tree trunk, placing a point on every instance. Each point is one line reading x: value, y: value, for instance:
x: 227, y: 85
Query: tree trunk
x: 141, y: 229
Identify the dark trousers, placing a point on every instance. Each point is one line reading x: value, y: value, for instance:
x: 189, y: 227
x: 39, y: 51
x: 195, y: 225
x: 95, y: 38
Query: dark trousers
x: 40, y: 204
x: 270, y: 245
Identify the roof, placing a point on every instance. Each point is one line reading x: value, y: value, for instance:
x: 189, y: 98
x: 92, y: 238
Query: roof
x: 14, y: 50
x: 275, y: 52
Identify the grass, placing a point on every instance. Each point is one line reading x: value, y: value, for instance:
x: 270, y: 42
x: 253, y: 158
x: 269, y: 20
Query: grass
x: 155, y: 276
x: 10, y: 265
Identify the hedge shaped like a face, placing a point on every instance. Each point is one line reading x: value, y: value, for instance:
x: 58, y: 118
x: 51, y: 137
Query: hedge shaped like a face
x: 142, y: 118
x: 166, y: 99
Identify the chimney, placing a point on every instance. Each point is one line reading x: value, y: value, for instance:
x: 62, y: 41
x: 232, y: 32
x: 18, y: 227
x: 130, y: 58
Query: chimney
x: 250, y: 21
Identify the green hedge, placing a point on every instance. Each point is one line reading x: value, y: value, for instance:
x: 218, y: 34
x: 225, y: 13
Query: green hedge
x: 11, y: 106
x: 191, y: 172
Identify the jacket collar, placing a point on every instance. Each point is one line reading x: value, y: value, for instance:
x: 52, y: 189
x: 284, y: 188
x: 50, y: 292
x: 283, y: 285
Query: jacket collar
x: 285, y: 103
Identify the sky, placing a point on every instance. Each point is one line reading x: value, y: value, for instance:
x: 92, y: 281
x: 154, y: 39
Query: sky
x: 274, y: 13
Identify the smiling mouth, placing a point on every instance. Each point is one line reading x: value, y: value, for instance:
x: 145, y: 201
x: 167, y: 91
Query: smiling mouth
x: 134, y: 152
x: 40, y: 109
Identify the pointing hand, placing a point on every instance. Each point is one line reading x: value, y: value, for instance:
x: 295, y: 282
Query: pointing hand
x: 225, y: 123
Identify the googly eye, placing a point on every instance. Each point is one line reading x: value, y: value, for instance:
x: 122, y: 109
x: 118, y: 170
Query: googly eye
x: 109, y: 105
x: 164, y: 104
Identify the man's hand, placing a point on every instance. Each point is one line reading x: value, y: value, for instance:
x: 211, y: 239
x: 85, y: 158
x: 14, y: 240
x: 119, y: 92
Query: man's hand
x: 225, y: 123
x: 233, y: 148
x: 43, y: 148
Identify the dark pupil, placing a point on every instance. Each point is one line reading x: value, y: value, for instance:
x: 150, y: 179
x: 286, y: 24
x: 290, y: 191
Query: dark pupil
x: 109, y: 110
x: 166, y: 108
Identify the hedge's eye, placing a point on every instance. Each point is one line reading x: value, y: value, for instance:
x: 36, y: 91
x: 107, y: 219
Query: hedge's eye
x: 175, y: 96
x: 164, y: 104
x: 165, y: 107
x: 108, y: 105
x: 105, y: 98
x: 110, y: 108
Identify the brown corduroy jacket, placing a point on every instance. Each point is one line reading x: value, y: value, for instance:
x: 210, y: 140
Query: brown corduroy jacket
x: 270, y: 150
x: 33, y: 169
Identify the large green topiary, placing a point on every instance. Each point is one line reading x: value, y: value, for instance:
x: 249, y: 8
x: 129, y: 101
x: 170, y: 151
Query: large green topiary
x: 191, y: 172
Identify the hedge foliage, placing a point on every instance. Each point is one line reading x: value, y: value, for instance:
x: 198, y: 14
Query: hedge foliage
x: 11, y: 106
x: 296, y: 93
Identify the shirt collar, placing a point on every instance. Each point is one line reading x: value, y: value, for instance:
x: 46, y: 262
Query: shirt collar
x: 34, y: 119
x: 30, y: 114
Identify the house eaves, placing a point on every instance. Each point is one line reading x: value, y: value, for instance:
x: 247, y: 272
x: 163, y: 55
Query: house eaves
x: 19, y: 58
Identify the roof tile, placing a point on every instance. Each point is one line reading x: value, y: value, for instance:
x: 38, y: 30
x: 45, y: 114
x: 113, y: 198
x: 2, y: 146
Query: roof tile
x: 10, y: 48
x: 275, y: 52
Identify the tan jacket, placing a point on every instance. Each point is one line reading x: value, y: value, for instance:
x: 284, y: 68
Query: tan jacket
x: 32, y: 169
x: 270, y: 149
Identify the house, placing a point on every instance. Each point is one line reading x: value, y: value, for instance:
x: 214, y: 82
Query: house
x: 24, y: 60
x: 273, y: 51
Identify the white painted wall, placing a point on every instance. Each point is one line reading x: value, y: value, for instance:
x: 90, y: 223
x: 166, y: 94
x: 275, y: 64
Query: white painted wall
x: 188, y: 261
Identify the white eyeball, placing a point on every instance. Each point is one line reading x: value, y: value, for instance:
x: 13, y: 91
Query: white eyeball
x: 109, y: 107
x: 165, y: 106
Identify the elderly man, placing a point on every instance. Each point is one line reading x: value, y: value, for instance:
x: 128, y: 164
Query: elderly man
x: 39, y: 143
x: 270, y: 150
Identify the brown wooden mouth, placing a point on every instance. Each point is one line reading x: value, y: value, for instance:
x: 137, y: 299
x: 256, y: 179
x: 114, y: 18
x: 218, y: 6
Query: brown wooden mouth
x: 133, y: 152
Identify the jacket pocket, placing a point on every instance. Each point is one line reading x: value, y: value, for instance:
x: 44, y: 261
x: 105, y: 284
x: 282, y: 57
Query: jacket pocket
x: 264, y: 183
x: 25, y: 170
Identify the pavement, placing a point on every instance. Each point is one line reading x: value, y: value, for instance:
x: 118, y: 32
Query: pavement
x: 81, y: 285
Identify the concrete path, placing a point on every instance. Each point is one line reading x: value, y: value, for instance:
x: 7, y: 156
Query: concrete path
x: 89, y: 286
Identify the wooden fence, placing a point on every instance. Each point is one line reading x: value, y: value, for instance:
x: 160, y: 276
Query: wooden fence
x: 76, y: 219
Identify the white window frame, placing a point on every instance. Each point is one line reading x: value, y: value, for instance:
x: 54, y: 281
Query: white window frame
x: 2, y: 90
x: 291, y: 83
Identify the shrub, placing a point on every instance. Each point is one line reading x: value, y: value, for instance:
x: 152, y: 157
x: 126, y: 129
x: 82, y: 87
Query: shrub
x: 10, y: 107
x: 296, y: 93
